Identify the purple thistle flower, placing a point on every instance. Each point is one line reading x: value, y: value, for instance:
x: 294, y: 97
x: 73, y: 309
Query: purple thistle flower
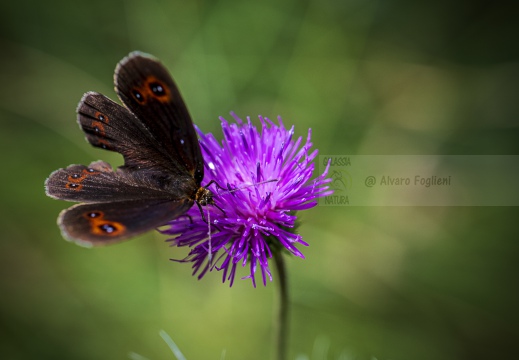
x: 259, y: 215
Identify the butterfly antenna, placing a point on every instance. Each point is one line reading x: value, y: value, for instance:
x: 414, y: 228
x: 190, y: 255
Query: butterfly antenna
x: 249, y: 185
x: 216, y: 183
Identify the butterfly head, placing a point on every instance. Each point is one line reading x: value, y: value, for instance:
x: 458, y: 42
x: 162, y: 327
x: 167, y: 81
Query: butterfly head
x: 204, y: 196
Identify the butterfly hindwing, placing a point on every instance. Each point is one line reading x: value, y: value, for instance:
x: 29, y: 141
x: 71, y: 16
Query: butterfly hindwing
x: 106, y: 223
x: 99, y: 183
x: 144, y: 85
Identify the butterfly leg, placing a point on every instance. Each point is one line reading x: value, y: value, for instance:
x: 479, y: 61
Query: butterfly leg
x: 219, y: 208
x: 202, y: 211
x: 188, y: 216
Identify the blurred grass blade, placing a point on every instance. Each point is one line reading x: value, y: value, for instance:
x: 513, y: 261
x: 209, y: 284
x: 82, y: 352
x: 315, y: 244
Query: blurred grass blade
x: 174, y: 348
x: 135, y: 356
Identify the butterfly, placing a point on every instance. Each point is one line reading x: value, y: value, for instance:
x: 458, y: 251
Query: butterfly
x: 163, y: 164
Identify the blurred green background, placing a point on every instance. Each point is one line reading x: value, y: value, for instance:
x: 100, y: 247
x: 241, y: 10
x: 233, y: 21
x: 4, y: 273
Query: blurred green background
x: 369, y: 77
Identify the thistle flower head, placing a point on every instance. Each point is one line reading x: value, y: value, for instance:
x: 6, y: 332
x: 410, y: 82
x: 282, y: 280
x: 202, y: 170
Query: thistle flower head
x: 268, y: 176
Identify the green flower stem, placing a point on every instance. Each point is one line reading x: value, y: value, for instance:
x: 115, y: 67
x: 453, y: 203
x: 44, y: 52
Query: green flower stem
x: 282, y: 318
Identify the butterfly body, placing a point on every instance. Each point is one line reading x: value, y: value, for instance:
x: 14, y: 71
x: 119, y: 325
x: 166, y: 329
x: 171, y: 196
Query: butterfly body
x: 163, y: 165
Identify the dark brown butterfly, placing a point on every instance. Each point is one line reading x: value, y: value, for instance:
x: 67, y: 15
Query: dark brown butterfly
x: 163, y: 165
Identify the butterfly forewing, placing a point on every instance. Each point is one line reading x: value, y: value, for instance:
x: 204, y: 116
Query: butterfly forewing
x: 144, y: 85
x: 111, y: 126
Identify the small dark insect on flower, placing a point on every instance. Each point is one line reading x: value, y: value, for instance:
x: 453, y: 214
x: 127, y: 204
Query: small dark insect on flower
x: 258, y: 217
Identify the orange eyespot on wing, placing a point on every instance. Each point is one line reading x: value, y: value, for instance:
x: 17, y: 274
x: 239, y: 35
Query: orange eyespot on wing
x: 102, y: 117
x: 102, y: 227
x: 74, y: 186
x: 78, y: 177
x: 75, y: 175
x: 151, y: 88
x: 98, y: 127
